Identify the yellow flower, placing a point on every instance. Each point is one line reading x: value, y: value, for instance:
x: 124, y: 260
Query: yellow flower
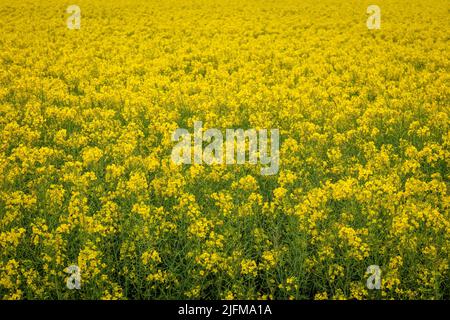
x: 249, y: 267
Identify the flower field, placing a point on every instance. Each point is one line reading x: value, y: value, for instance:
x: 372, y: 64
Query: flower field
x: 86, y: 123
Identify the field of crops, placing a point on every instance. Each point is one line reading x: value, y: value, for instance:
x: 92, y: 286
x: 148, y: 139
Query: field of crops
x: 86, y: 123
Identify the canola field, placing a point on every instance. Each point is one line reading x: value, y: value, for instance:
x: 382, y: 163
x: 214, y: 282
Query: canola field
x: 86, y: 118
